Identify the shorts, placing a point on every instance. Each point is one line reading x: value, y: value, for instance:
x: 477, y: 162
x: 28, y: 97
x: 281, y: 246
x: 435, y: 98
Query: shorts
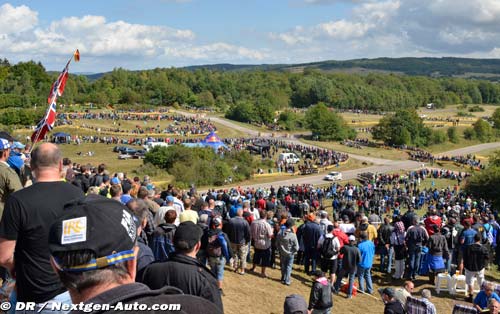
x: 329, y: 265
x: 471, y: 275
x: 262, y: 257
x: 217, y: 266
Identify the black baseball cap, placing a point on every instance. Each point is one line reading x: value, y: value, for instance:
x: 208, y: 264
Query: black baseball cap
x: 187, y: 235
x: 98, y: 224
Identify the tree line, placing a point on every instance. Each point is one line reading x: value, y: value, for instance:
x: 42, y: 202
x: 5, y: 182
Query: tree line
x: 255, y: 92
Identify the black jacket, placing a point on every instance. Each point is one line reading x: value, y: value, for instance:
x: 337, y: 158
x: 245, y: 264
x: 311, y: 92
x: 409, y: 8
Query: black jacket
x: 351, y: 258
x: 393, y: 307
x: 185, y: 273
x: 384, y: 234
x: 475, y: 257
x: 137, y: 292
x: 321, y: 295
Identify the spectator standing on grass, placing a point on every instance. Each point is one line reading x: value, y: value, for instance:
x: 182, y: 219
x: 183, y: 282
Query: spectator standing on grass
x: 367, y: 250
x: 262, y: 233
x: 218, y: 250
x: 329, y: 247
x: 370, y: 230
x: 451, y: 231
x: 287, y: 247
x: 384, y: 245
x: 466, y: 238
x: 24, y: 229
x: 416, y: 238
x: 310, y: 235
x: 398, y: 243
x: 350, y: 261
x: 475, y: 258
x: 238, y: 232
x: 295, y: 304
x: 438, y: 250
x: 9, y: 183
x: 320, y: 299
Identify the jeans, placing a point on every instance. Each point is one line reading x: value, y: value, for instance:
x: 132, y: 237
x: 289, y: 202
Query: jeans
x: 338, y: 282
x: 365, y: 274
x: 61, y: 298
x: 386, y: 255
x: 311, y: 257
x: 414, y: 261
x: 286, y: 263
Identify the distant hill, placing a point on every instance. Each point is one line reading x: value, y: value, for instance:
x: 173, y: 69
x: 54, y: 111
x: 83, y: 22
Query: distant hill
x: 435, y: 67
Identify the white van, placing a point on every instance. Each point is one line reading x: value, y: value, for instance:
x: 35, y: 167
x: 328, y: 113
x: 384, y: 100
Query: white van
x: 289, y: 158
x: 148, y: 146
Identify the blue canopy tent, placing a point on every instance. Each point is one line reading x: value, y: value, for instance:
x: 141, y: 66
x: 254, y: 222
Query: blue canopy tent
x: 214, y: 141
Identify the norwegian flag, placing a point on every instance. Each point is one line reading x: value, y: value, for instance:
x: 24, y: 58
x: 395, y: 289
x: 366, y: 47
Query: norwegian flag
x: 57, y: 88
x: 46, y: 125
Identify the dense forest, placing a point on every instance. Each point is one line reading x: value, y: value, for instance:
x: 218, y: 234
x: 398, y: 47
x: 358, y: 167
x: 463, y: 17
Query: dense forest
x: 259, y: 92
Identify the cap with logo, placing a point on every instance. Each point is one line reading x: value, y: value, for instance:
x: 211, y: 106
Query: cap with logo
x: 18, y: 145
x: 4, y: 144
x: 95, y: 223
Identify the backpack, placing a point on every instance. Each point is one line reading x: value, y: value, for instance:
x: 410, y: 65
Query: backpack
x: 162, y: 248
x: 327, y: 249
x: 214, y: 247
x: 488, y: 234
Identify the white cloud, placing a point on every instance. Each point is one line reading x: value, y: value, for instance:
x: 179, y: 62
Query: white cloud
x: 22, y: 38
x: 402, y: 28
x: 16, y: 19
x: 216, y: 51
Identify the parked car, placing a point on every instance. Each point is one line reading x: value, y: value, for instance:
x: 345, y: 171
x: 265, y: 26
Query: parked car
x: 333, y: 176
x: 140, y: 154
x: 118, y: 149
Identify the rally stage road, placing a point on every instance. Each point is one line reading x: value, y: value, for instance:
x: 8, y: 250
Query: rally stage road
x: 380, y: 165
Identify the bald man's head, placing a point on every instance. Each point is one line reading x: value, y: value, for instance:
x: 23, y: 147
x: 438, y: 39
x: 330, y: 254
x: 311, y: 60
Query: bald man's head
x: 46, y: 155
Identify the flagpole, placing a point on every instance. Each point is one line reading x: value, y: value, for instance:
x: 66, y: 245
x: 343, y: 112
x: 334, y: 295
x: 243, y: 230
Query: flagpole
x: 52, y: 100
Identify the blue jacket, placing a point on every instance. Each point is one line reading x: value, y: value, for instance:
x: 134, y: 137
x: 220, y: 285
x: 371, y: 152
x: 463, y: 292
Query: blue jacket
x: 311, y: 234
x: 367, y: 250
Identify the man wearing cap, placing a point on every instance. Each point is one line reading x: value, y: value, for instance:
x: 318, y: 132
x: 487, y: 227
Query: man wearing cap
x: 183, y: 270
x: 350, y: 262
x: 25, y: 224
x: 9, y: 183
x: 392, y: 306
x: 218, y: 250
x: 94, y: 253
x: 9, y: 180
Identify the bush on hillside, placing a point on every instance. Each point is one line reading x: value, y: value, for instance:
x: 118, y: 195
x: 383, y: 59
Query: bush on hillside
x: 201, y: 166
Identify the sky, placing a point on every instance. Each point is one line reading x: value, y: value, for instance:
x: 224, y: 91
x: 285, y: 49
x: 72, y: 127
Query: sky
x: 145, y: 34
